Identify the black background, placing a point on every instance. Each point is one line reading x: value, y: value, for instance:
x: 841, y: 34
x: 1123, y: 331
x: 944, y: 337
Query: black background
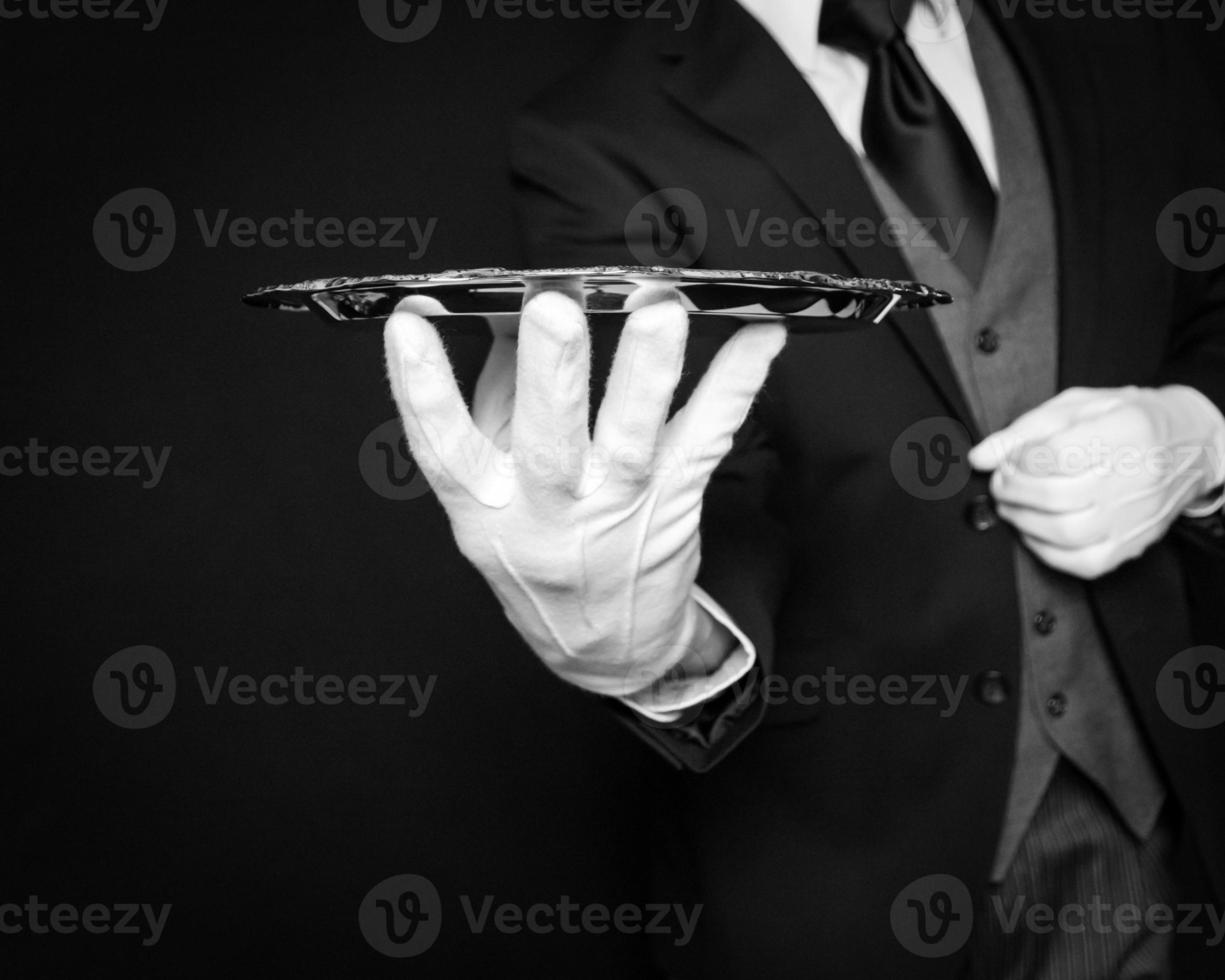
x: 263, y: 548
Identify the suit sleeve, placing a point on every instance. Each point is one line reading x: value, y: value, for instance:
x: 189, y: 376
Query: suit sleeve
x: 572, y: 198
x: 1196, y: 351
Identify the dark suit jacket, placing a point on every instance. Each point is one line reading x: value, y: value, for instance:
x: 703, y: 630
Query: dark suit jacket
x: 797, y: 825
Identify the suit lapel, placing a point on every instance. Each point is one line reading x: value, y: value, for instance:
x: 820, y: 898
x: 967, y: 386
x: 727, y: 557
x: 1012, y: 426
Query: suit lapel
x: 728, y: 71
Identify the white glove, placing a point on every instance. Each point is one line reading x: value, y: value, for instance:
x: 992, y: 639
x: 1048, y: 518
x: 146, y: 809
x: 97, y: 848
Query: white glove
x: 1094, y: 476
x: 590, y: 542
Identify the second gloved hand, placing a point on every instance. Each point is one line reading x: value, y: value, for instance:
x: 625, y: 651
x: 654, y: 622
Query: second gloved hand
x: 1094, y: 476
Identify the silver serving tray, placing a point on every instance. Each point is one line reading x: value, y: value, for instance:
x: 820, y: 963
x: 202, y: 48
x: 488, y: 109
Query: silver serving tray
x: 805, y: 301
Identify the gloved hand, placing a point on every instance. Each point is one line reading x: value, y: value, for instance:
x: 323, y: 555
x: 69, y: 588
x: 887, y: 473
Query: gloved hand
x: 590, y: 542
x: 1094, y: 476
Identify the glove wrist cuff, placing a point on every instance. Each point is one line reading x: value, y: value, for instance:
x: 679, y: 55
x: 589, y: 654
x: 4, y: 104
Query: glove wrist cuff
x: 1199, y: 425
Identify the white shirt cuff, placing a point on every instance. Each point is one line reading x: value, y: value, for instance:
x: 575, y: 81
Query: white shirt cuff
x: 665, y: 701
